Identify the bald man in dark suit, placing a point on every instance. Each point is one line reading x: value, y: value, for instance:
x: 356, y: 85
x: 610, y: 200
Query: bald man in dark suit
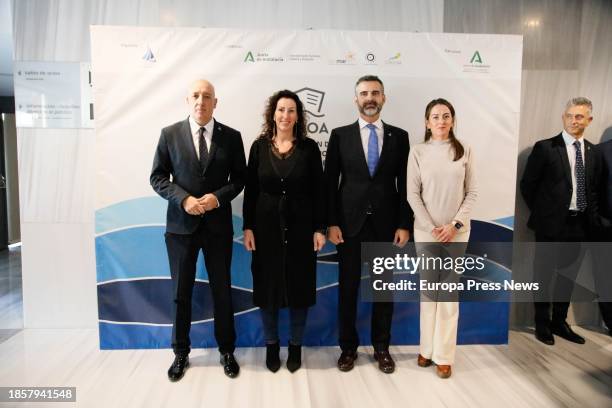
x: 199, y: 167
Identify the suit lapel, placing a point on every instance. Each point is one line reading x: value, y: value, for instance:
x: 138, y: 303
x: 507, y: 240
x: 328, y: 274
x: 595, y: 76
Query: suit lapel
x: 386, y: 147
x: 186, y: 133
x: 358, y: 147
x: 588, y: 163
x: 217, y: 131
x: 562, y: 151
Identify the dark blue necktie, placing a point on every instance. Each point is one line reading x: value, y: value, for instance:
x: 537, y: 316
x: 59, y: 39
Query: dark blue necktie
x: 581, y: 202
x: 372, y: 149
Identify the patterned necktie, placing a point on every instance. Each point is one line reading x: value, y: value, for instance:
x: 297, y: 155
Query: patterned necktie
x: 372, y: 149
x: 580, y: 183
x: 203, y: 148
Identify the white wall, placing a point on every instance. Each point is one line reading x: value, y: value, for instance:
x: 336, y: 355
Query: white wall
x: 568, y: 54
x: 55, y: 166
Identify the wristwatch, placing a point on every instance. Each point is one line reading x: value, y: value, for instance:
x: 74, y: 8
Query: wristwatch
x: 457, y: 224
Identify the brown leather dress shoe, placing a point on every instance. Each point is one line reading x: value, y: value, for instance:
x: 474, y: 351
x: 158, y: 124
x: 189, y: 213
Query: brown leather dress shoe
x: 385, y: 362
x: 443, y: 371
x: 346, y: 362
x: 423, y: 362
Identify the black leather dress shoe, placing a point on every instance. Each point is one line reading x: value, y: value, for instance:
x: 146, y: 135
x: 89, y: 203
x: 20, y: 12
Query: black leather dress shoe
x: 544, y: 334
x: 230, y: 365
x: 385, y: 362
x: 178, y: 368
x: 346, y: 362
x: 565, y: 331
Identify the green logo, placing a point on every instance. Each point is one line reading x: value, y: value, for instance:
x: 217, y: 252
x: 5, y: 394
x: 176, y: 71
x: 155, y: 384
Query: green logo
x: 476, y: 58
x: 249, y: 57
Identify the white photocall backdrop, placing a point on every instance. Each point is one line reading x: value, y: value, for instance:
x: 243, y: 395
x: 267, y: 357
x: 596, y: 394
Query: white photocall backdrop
x: 140, y: 79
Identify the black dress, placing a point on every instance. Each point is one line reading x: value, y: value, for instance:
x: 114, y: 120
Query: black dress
x: 284, y: 206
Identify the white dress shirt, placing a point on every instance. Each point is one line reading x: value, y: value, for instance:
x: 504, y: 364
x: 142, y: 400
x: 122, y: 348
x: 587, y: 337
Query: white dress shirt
x: 571, y: 155
x: 365, y: 135
x: 195, y: 134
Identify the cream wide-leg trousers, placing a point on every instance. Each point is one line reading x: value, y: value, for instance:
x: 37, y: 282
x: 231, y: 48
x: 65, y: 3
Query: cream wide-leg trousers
x: 438, y: 319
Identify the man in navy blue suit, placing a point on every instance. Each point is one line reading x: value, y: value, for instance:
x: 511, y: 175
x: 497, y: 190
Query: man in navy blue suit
x: 561, y: 186
x: 365, y: 171
x: 199, y: 167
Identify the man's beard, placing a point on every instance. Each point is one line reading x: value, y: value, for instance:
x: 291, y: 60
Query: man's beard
x: 370, y: 109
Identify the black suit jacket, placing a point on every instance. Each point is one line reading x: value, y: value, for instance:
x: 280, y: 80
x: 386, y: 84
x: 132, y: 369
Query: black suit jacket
x: 177, y: 173
x: 546, y: 185
x: 352, y: 193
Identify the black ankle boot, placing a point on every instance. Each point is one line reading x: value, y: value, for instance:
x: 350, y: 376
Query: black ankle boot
x: 294, y: 361
x: 272, y: 356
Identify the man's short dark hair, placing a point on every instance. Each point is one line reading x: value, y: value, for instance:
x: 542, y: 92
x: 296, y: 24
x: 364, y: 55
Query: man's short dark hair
x: 370, y: 78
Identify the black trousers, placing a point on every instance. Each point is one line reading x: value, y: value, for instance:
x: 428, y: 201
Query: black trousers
x: 548, y: 259
x: 349, y: 254
x: 183, y: 254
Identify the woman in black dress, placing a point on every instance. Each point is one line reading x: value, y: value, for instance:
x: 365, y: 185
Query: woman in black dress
x: 284, y: 222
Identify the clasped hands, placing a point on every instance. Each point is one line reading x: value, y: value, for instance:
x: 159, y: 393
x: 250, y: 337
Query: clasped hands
x: 444, y: 233
x: 334, y: 234
x: 318, y: 240
x: 198, y: 206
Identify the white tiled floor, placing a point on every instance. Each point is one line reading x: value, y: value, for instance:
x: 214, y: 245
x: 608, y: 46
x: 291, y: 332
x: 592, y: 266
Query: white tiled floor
x: 525, y: 373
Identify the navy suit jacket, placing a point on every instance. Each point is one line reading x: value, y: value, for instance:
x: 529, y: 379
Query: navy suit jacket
x: 546, y: 185
x: 352, y: 192
x: 177, y: 173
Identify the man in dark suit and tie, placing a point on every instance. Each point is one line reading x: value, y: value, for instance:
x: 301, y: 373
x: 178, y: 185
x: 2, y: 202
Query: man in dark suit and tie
x: 365, y: 171
x: 199, y: 167
x: 560, y: 187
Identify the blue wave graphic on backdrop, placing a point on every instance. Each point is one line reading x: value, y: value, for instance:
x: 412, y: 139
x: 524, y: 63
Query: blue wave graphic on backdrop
x: 137, y: 212
x: 479, y: 323
x: 506, y: 221
x: 134, y: 286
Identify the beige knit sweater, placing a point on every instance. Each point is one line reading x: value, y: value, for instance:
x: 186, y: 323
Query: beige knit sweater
x: 440, y: 190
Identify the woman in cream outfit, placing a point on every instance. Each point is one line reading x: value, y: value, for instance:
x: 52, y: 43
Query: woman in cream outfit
x: 441, y: 191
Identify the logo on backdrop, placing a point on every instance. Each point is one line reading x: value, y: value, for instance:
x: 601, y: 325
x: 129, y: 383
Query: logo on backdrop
x: 476, y: 64
x: 370, y: 58
x: 316, y: 127
x: 261, y: 57
x: 249, y: 57
x: 313, y: 101
x: 149, y: 56
x: 476, y: 58
x: 395, y: 59
x: 346, y: 59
